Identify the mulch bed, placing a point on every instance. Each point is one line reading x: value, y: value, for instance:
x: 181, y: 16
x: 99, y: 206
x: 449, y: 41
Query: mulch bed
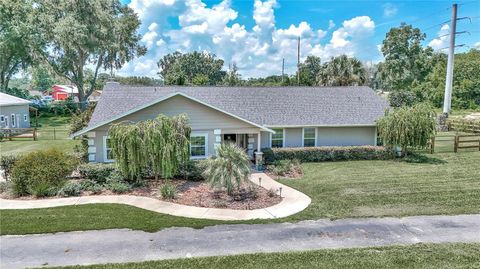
x: 199, y: 193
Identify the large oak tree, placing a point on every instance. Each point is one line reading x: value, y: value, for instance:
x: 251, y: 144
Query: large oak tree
x: 83, y: 35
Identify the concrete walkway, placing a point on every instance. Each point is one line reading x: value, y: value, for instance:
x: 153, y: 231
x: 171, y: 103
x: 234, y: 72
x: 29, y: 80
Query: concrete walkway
x: 293, y: 202
x: 118, y: 246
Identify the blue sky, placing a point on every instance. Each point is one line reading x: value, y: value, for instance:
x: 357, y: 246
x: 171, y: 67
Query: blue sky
x: 257, y: 34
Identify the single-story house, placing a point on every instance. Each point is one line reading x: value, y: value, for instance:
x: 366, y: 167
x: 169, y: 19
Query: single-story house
x: 63, y: 92
x: 252, y: 117
x: 14, y: 112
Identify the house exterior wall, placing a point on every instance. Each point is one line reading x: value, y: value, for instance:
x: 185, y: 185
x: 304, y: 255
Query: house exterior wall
x: 346, y: 136
x: 328, y: 136
x: 19, y: 111
x: 202, y: 119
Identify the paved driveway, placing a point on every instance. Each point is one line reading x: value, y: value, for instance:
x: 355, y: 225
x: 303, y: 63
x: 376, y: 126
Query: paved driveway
x: 114, y: 246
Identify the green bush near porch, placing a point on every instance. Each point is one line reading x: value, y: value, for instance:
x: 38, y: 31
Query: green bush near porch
x: 321, y: 154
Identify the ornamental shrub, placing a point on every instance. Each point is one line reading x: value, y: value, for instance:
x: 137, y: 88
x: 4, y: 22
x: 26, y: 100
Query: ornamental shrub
x: 228, y: 169
x: 6, y: 164
x: 98, y: 172
x: 41, y: 173
x: 321, y: 154
x: 191, y: 170
x: 70, y: 189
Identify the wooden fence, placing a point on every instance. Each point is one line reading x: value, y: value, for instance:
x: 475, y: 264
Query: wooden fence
x: 466, y: 126
x: 9, y: 133
x: 469, y: 143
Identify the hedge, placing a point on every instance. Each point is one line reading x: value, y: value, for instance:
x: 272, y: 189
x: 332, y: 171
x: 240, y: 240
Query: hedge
x: 321, y: 154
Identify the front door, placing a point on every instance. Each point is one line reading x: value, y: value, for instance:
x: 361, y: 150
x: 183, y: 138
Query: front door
x: 230, y: 138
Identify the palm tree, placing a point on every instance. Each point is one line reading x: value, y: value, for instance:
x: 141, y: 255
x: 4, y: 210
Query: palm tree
x: 228, y: 169
x: 342, y: 71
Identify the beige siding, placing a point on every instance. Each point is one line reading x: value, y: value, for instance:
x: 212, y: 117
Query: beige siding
x: 202, y: 119
x: 293, y: 137
x: 346, y: 136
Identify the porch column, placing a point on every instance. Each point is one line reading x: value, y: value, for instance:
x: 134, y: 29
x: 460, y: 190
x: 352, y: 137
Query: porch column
x: 218, y: 139
x: 259, y: 154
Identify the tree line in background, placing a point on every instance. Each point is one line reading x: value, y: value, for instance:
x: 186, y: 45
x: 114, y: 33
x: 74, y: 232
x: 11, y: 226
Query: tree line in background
x: 65, y: 42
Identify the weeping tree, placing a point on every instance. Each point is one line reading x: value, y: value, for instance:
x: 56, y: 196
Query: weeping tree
x: 228, y: 169
x: 161, y: 144
x: 408, y: 127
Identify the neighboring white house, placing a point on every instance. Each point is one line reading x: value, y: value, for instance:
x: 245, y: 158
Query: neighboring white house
x: 252, y: 117
x: 14, y: 112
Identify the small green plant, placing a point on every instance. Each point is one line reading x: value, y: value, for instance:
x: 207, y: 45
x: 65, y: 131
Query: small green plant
x: 271, y: 192
x: 252, y: 190
x: 191, y: 170
x: 96, y: 189
x: 70, y: 189
x: 43, y: 189
x: 119, y: 187
x: 286, y: 168
x: 168, y: 191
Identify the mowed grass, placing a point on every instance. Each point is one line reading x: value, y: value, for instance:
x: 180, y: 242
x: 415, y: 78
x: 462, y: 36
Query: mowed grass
x: 415, y: 256
x: 445, y: 183
x: 90, y: 217
x: 47, y: 137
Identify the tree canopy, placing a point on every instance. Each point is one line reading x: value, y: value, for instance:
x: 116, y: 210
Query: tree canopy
x: 16, y: 33
x: 408, y: 127
x: 342, y: 71
x: 161, y: 145
x: 76, y: 34
x: 406, y: 60
x: 195, y: 68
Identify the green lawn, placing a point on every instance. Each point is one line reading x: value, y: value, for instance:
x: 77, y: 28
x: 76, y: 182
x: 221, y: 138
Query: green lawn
x: 445, y: 183
x: 52, y: 133
x: 416, y: 256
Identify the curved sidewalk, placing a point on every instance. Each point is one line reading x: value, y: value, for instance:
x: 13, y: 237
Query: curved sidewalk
x: 293, y: 202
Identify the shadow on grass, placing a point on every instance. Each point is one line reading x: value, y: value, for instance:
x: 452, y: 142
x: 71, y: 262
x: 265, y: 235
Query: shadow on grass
x: 422, y: 158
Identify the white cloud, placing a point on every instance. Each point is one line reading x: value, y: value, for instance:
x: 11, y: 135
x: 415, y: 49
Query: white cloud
x: 389, y: 10
x: 331, y: 24
x: 257, y: 51
x: 442, y: 40
x: 477, y: 45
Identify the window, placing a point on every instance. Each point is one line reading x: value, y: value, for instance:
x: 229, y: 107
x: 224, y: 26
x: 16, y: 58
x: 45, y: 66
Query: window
x: 309, y: 137
x: 2, y: 118
x: 13, y: 120
x: 107, y: 152
x: 25, y: 117
x: 198, y: 145
x: 277, y: 138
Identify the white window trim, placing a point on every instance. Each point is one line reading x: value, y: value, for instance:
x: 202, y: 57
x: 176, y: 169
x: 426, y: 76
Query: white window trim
x: 303, y: 136
x: 206, y: 145
x: 105, y: 137
x: 13, y: 120
x: 283, y: 140
x: 25, y: 117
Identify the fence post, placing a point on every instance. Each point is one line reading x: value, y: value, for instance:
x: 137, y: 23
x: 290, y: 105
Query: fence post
x: 455, y: 145
x: 54, y: 134
x: 34, y: 134
x: 432, y: 145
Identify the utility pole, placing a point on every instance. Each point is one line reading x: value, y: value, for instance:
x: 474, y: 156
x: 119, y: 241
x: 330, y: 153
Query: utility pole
x: 298, y: 62
x: 447, y: 102
x: 283, y: 69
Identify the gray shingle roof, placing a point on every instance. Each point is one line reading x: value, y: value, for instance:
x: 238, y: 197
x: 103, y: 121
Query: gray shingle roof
x: 269, y: 106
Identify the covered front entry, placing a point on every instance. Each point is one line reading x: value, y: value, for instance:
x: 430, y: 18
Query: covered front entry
x: 241, y: 140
